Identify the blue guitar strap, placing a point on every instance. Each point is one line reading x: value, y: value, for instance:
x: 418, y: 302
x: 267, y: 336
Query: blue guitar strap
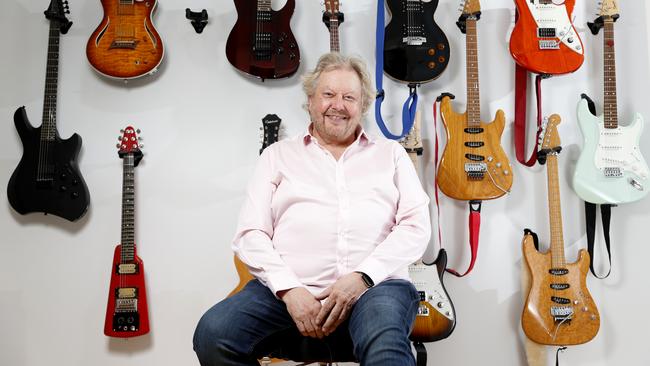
x: 408, y: 110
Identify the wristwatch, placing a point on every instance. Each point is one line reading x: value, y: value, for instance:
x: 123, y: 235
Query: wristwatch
x: 366, y: 279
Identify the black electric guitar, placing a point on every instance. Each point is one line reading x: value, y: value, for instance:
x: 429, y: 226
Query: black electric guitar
x: 332, y: 18
x: 47, y: 178
x: 436, y: 318
x: 261, y: 42
x: 415, y: 48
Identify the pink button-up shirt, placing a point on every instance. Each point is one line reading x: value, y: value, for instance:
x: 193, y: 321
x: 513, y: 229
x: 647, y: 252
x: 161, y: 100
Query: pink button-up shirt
x: 308, y: 219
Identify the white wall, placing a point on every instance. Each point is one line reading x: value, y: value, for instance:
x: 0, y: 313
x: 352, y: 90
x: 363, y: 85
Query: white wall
x: 200, y: 122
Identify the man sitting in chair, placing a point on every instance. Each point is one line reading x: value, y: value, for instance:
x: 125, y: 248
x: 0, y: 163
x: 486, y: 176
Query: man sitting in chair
x: 331, y: 221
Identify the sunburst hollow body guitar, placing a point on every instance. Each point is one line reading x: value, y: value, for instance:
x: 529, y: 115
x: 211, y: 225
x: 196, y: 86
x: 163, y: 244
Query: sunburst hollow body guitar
x: 610, y: 169
x: 544, y: 40
x: 559, y: 309
x: 473, y: 165
x: 126, y: 45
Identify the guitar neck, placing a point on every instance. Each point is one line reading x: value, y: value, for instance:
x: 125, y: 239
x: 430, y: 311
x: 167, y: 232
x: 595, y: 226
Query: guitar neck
x: 334, y: 33
x: 48, y: 127
x: 555, y: 212
x: 610, y: 103
x: 473, y: 93
x: 128, y: 208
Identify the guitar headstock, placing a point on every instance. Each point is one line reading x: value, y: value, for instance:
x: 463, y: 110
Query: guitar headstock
x: 56, y: 12
x: 271, y: 130
x: 471, y: 9
x: 130, y: 144
x: 549, y: 139
x: 609, y: 8
x: 332, y: 12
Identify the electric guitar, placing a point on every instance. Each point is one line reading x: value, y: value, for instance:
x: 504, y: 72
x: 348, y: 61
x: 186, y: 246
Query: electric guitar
x: 47, y: 178
x: 610, y: 168
x: 544, y: 39
x: 436, y: 318
x: 126, y: 312
x: 415, y: 48
x: 332, y: 18
x: 559, y: 309
x: 271, y: 132
x: 261, y: 43
x: 473, y: 165
x: 126, y: 45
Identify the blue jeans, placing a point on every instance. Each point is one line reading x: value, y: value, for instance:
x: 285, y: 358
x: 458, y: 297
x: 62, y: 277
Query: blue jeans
x: 254, y: 323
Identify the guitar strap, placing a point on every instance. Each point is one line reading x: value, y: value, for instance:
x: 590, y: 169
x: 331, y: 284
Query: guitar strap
x: 410, y: 105
x: 474, y: 205
x: 590, y: 219
x: 521, y: 86
x: 421, y: 358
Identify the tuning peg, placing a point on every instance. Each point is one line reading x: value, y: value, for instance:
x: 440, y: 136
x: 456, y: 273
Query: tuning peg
x: 141, y: 146
x: 119, y: 138
x: 139, y: 138
x: 121, y: 130
x: 138, y: 130
x: 118, y: 146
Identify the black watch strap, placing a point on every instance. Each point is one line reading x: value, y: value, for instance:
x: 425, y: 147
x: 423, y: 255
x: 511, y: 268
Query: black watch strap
x: 366, y: 279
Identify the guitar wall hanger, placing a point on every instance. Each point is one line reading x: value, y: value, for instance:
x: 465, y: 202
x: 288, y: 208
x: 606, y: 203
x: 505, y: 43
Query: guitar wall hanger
x: 199, y: 19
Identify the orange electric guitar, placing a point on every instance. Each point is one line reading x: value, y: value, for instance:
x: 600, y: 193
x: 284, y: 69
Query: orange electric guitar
x: 473, y: 165
x: 126, y: 45
x: 559, y: 309
x: 544, y: 40
x: 126, y: 312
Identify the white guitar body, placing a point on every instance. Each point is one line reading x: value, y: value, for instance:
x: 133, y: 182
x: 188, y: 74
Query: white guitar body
x: 610, y: 168
x: 552, y: 16
x: 426, y: 281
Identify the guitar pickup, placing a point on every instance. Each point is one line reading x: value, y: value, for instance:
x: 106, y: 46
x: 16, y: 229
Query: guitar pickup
x: 559, y: 286
x: 474, y: 143
x: 414, y: 41
x: 127, y: 268
x: 546, y: 33
x: 123, y: 43
x: 126, y: 293
x: 546, y: 44
x: 474, y: 157
x: 560, y: 300
x: 612, y: 172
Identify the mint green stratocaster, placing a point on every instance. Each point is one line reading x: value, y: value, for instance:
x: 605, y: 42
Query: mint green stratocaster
x: 610, y: 168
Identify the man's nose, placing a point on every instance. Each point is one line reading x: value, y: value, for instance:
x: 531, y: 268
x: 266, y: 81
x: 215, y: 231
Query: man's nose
x: 337, y: 103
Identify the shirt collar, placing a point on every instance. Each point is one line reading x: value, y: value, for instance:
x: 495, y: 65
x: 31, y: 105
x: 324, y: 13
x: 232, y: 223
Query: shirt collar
x: 362, y: 139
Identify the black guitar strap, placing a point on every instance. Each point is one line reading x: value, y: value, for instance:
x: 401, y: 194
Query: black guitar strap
x: 590, y: 220
x: 557, y: 355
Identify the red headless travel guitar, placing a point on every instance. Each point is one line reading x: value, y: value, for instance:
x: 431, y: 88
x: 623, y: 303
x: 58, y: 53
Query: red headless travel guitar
x: 126, y: 312
x: 544, y: 40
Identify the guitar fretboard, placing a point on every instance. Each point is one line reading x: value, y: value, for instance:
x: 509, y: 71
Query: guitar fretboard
x: 334, y: 33
x: 555, y: 213
x: 610, y: 104
x: 473, y: 93
x: 48, y: 128
x: 128, y: 209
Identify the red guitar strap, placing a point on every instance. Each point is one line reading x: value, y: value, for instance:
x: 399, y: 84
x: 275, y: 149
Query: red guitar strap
x: 474, y: 206
x: 521, y: 86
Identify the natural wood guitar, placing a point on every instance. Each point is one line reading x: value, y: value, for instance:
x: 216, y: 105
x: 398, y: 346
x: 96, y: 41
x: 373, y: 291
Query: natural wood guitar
x: 473, y: 165
x: 559, y: 309
x: 126, y: 45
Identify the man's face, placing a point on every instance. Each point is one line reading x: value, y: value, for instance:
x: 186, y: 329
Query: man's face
x: 335, y: 107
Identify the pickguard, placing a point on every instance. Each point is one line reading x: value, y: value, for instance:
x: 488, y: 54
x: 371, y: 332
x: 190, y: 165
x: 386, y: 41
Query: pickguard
x: 551, y: 16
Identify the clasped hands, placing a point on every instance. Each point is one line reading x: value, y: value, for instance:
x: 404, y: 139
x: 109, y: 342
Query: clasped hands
x: 316, y: 320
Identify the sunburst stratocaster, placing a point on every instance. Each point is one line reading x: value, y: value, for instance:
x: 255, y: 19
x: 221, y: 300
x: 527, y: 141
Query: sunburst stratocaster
x: 544, y: 40
x: 126, y: 313
x: 559, y: 309
x: 436, y: 317
x: 126, y: 45
x: 610, y: 169
x: 473, y: 165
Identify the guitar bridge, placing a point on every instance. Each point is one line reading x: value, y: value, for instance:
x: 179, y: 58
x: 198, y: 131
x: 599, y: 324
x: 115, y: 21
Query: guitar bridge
x: 475, y: 171
x: 562, y: 313
x: 612, y: 172
x: 545, y: 44
x: 414, y: 41
x: 123, y: 44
